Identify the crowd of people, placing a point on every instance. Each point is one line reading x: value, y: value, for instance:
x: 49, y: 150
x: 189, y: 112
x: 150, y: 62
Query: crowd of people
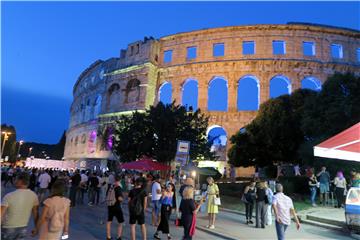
x: 57, y: 191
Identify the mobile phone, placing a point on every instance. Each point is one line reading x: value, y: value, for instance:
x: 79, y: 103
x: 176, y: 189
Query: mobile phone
x: 65, y: 236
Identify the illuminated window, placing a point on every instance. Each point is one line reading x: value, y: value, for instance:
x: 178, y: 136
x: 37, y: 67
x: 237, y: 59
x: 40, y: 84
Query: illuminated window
x: 309, y: 48
x: 168, y: 56
x: 218, y: 49
x: 279, y: 47
x: 248, y: 47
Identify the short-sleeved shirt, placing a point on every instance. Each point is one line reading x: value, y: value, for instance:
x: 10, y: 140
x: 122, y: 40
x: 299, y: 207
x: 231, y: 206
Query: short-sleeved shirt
x: 44, y: 180
x: 283, y: 204
x: 324, y: 178
x: 187, y: 207
x: 154, y: 195
x: 19, y: 205
x: 118, y: 193
x: 135, y: 193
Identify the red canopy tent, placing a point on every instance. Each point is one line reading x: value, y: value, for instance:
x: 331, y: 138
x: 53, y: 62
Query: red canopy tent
x: 145, y: 164
x: 345, y: 145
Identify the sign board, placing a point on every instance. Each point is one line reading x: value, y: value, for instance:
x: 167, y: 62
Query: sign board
x: 183, y: 147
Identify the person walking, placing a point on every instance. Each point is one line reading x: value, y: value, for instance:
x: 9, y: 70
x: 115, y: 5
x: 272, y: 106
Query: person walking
x: 212, y: 193
x: 54, y: 220
x: 283, y: 209
x: 82, y: 186
x: 188, y: 210
x: 44, y: 181
x: 261, y: 206
x: 248, y: 199
x: 340, y: 188
x: 268, y: 200
x: 324, y: 179
x: 155, y: 200
x: 75, y: 182
x: 137, y: 205
x: 166, y: 206
x: 16, y: 209
x: 33, y: 180
x: 114, y: 198
x: 313, y: 185
x: 94, y: 190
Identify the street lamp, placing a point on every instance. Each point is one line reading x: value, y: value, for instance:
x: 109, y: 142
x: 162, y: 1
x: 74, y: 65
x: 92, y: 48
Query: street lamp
x: 6, y: 137
x: 30, y: 149
x: 18, y: 151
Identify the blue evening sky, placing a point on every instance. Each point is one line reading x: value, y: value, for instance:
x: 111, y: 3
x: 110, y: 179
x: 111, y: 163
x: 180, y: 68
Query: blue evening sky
x: 46, y: 45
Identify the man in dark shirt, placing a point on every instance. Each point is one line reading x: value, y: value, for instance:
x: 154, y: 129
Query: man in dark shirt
x: 324, y: 179
x: 137, y: 194
x: 93, y: 189
x: 75, y: 181
x: 115, y: 210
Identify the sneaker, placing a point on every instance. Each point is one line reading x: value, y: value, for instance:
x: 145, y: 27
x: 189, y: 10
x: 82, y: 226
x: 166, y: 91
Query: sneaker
x: 207, y: 226
x: 314, y: 205
x: 156, y: 236
x: 108, y: 238
x: 212, y: 227
x: 169, y: 237
x: 251, y: 222
x: 90, y: 204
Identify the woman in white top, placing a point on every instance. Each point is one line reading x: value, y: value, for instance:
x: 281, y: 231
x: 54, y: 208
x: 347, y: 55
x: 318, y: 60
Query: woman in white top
x: 340, y: 184
x: 54, y: 220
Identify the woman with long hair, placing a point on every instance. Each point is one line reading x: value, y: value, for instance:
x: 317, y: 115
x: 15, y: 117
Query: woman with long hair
x: 54, y: 219
x: 166, y: 206
x: 213, y: 209
x: 261, y: 206
x: 248, y: 199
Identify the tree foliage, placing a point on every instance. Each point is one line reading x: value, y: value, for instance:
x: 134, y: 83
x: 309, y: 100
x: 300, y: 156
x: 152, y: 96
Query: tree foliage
x: 155, y: 133
x: 286, y: 128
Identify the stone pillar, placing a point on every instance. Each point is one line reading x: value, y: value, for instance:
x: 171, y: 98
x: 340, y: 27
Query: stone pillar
x: 232, y: 92
x: 176, y: 91
x: 264, y: 79
x: 202, y: 93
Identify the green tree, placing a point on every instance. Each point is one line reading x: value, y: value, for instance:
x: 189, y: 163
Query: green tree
x: 155, y: 133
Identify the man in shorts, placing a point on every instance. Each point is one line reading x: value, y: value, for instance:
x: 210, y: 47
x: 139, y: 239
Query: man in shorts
x: 324, y: 179
x: 155, y: 200
x: 16, y: 209
x: 137, y: 194
x: 115, y: 211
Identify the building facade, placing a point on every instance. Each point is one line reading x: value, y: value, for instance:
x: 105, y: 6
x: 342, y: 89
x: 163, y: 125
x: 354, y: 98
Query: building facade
x: 216, y: 62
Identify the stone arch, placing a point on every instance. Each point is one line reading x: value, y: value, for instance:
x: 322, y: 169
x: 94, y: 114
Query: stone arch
x: 312, y: 83
x: 218, y: 94
x: 217, y: 137
x: 113, y: 97
x: 132, y: 91
x: 190, y: 94
x: 248, y: 94
x: 165, y: 93
x: 279, y: 85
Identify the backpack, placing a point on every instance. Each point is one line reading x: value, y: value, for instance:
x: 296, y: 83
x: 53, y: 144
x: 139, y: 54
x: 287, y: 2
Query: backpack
x: 269, y: 196
x: 136, y: 205
x: 110, y: 196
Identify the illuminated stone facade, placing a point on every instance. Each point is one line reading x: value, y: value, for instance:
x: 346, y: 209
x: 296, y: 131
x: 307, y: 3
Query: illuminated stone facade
x: 132, y: 81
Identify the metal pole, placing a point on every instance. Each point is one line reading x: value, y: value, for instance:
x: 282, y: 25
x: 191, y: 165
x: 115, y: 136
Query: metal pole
x: 18, y: 151
x: 3, y: 146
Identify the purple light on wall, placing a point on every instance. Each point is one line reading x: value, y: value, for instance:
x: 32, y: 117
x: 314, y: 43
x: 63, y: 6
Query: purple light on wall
x: 109, y: 142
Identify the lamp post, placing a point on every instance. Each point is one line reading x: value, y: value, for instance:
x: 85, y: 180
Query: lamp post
x: 30, y: 149
x: 6, y: 137
x: 18, y: 151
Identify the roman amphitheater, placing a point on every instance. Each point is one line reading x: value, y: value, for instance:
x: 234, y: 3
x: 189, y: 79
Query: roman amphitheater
x: 226, y: 72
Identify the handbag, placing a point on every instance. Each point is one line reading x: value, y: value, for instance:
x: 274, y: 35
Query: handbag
x: 217, y: 201
x: 243, y: 199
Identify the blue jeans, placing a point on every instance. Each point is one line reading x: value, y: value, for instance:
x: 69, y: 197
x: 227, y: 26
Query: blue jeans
x: 312, y: 194
x: 14, y: 233
x: 280, y: 230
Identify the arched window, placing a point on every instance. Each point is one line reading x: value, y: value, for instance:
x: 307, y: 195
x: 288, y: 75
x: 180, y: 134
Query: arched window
x: 190, y: 94
x: 279, y: 85
x: 218, y: 95
x: 311, y: 83
x: 113, y: 98
x: 97, y: 106
x: 165, y: 93
x: 248, y: 95
x: 132, y: 91
x: 217, y: 138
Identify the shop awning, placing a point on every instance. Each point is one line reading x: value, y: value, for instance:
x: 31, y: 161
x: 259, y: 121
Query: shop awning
x: 145, y: 164
x: 345, y: 145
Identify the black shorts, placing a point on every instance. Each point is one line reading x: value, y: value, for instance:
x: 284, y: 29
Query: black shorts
x: 140, y: 219
x: 115, y: 212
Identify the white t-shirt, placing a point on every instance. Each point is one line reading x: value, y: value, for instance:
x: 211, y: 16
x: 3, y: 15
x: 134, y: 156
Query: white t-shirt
x: 19, y: 205
x: 154, y: 195
x: 283, y: 204
x: 44, y: 180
